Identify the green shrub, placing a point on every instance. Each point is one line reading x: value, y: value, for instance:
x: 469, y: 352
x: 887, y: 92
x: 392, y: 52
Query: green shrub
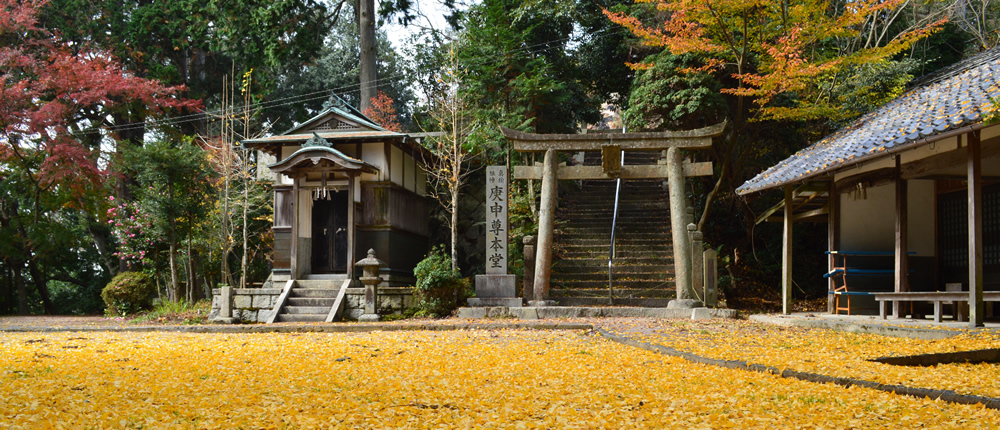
x: 128, y: 293
x: 439, y: 289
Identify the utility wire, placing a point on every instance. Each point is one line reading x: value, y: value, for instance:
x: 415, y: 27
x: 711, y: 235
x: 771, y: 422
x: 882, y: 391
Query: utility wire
x: 315, y: 95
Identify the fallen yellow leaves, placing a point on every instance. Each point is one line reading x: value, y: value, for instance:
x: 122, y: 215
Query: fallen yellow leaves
x: 461, y: 379
x: 827, y: 352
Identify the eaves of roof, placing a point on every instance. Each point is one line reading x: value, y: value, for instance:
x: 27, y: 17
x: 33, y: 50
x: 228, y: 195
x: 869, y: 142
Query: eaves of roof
x: 934, y: 110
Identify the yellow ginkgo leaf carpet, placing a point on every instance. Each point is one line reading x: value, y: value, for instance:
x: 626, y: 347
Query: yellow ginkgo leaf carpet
x: 459, y: 379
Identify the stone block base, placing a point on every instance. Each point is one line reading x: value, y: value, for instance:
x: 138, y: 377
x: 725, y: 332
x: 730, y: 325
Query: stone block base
x: 490, y: 286
x: 541, y: 303
x: 684, y: 304
x: 510, y: 302
x: 701, y: 314
x: 368, y: 318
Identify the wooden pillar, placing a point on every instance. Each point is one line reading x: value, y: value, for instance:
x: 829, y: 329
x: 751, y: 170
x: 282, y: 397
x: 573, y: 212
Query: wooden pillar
x: 832, y: 239
x: 350, y: 225
x: 902, y: 266
x: 546, y: 224
x: 786, y: 255
x: 976, y: 307
x: 678, y: 225
x: 294, y: 255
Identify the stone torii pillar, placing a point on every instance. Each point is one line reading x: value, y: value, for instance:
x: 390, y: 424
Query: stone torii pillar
x: 678, y: 230
x: 546, y: 224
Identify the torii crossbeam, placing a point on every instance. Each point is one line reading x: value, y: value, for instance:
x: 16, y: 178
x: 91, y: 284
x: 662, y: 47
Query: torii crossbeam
x: 611, y: 147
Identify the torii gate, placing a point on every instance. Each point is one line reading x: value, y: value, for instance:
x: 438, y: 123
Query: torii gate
x: 611, y: 146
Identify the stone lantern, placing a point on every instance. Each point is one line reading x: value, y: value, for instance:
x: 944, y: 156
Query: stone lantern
x: 370, y: 267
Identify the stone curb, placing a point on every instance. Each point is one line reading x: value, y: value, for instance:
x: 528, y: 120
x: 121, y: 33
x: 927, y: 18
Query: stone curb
x: 945, y: 395
x: 326, y: 328
x: 876, y: 328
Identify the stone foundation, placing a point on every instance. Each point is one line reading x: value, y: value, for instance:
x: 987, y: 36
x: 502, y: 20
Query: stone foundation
x: 254, y: 305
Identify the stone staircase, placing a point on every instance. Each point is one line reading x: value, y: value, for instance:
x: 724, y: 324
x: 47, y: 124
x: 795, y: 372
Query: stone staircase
x: 643, y: 265
x: 310, y: 300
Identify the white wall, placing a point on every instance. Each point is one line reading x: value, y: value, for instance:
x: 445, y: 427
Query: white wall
x: 396, y: 168
x: 869, y: 224
x: 409, y: 172
x: 374, y: 154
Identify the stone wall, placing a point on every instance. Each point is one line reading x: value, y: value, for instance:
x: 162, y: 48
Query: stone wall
x: 391, y: 300
x: 253, y: 305
x: 248, y: 304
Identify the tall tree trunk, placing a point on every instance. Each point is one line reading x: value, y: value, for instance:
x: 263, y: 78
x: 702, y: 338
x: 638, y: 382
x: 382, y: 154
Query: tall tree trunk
x: 369, y: 72
x: 100, y: 237
x: 246, y: 238
x: 175, y: 284
x: 22, y: 293
x: 454, y: 227
x: 128, y: 135
x: 192, y: 277
x: 10, y: 291
x: 40, y: 285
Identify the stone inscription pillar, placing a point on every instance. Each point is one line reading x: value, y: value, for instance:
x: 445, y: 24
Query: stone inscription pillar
x: 496, y: 287
x: 528, y: 283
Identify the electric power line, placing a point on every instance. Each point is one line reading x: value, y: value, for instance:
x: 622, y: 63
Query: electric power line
x: 315, y: 95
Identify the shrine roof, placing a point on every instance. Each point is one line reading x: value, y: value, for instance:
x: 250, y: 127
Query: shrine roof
x: 938, y: 105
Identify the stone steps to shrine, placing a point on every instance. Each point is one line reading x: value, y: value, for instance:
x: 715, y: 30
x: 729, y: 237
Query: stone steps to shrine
x: 309, y: 300
x: 642, y: 274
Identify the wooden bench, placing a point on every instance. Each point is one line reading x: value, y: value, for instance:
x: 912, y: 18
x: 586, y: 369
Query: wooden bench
x: 936, y: 297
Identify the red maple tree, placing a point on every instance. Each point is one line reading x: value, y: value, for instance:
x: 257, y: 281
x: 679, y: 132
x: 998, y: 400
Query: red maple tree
x: 53, y: 96
x: 383, y: 112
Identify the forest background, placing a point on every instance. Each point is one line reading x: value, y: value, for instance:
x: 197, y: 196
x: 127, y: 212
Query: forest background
x: 121, y: 121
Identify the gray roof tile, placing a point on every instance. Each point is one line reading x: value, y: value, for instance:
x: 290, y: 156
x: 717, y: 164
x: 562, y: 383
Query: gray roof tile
x: 951, y: 98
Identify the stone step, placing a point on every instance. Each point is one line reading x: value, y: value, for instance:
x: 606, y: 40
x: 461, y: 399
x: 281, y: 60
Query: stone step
x: 320, y: 283
x: 312, y: 301
x: 570, y: 278
x: 568, y: 237
x: 619, y: 301
x: 621, y: 249
x: 620, y: 230
x: 577, y: 263
x: 604, y: 202
x: 666, y: 283
x: 300, y: 318
x: 620, y: 292
x: 311, y: 310
x: 622, y: 258
x: 314, y: 292
x: 609, y: 209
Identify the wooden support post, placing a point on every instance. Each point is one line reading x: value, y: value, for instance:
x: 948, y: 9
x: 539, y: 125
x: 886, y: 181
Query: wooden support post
x: 975, y: 180
x: 832, y: 239
x: 350, y: 226
x: 902, y: 263
x: 294, y: 263
x: 678, y: 225
x: 546, y: 224
x: 786, y: 255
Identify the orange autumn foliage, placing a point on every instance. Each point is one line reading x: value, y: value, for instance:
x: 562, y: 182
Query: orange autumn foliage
x: 383, y: 112
x: 774, y: 48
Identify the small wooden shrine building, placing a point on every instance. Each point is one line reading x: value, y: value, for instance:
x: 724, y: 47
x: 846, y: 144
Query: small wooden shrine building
x: 344, y: 185
x: 911, y: 195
